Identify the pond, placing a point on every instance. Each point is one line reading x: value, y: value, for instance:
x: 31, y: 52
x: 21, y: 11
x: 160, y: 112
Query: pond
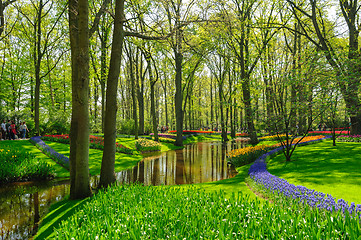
x: 23, y: 204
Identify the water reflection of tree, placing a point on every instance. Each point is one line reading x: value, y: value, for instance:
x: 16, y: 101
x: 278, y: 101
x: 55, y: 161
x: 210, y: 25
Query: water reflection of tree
x: 20, y: 211
x: 179, y: 168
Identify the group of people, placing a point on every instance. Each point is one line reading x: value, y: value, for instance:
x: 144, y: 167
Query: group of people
x: 9, y: 130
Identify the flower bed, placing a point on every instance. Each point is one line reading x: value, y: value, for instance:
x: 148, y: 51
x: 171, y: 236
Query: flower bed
x: 95, y: 142
x: 19, y: 165
x: 243, y: 156
x: 242, y: 135
x: 274, y: 137
x: 327, y: 132
x: 193, y: 131
x: 167, y: 140
x: 145, y: 145
x: 169, y: 136
x: 57, y: 157
x: 349, y: 138
x: 278, y: 187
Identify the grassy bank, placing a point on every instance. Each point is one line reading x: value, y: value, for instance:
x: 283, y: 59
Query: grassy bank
x: 328, y: 169
x: 137, y: 212
x: 30, y: 148
x: 122, y: 161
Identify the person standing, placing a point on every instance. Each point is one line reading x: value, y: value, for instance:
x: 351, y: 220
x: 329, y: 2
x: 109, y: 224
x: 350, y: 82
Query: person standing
x: 20, y: 133
x: 3, y: 129
x: 12, y: 130
x: 8, y: 124
x: 25, y: 129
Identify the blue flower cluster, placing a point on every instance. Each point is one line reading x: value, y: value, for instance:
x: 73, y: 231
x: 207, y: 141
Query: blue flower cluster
x: 258, y: 172
x: 57, y: 157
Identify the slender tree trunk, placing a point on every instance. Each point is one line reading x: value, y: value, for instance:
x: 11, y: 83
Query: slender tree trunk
x: 211, y: 95
x: 79, y: 131
x: 38, y: 57
x: 223, y: 124
x: 140, y: 88
x: 152, y: 101
x: 179, y: 99
x: 134, y: 98
x: 166, y: 101
x: 107, y: 175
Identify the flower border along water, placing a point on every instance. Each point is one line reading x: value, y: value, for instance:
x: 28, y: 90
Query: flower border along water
x: 57, y: 157
x: 280, y: 187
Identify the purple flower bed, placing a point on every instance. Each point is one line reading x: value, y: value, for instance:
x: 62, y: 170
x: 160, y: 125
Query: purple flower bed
x: 258, y: 172
x: 349, y: 138
x: 57, y: 157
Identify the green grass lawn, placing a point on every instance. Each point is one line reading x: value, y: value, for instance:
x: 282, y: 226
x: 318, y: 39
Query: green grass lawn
x: 122, y: 161
x: 231, y: 185
x: 26, y: 145
x: 333, y: 170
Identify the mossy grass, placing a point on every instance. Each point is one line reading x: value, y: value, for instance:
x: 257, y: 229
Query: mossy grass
x: 323, y: 167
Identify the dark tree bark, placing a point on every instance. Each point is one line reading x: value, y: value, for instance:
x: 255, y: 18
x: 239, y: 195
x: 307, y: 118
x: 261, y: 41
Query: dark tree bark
x: 152, y: 83
x: 107, y: 175
x: 134, y: 90
x: 79, y: 130
x: 140, y: 88
x: 37, y: 64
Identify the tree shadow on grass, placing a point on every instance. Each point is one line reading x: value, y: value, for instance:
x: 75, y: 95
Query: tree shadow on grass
x: 59, y: 212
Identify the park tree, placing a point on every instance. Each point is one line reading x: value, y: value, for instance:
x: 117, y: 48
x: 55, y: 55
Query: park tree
x: 79, y: 130
x: 345, y: 61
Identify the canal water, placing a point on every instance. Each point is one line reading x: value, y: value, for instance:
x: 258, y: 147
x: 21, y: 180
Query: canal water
x: 23, y: 204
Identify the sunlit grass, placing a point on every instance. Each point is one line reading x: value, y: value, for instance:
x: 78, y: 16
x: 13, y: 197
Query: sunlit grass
x: 122, y: 161
x: 28, y: 147
x: 328, y: 169
x: 138, y: 212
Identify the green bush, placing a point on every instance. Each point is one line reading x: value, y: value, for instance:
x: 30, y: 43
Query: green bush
x: 19, y: 165
x: 126, y: 126
x: 137, y: 212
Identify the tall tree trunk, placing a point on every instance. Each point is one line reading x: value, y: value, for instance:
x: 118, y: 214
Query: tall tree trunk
x: 37, y: 60
x: 223, y: 124
x: 79, y: 130
x: 103, y: 68
x: 140, y: 88
x: 107, y: 175
x: 152, y: 101
x: 245, y: 78
x: 211, y: 94
x: 179, y: 99
x: 165, y: 101
x: 134, y: 97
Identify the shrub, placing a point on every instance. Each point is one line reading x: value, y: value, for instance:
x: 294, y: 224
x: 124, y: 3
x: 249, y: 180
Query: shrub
x: 19, y: 165
x: 145, y: 145
x: 126, y: 126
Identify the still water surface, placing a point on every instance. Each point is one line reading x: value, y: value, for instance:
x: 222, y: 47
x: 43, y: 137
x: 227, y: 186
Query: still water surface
x: 23, y: 204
